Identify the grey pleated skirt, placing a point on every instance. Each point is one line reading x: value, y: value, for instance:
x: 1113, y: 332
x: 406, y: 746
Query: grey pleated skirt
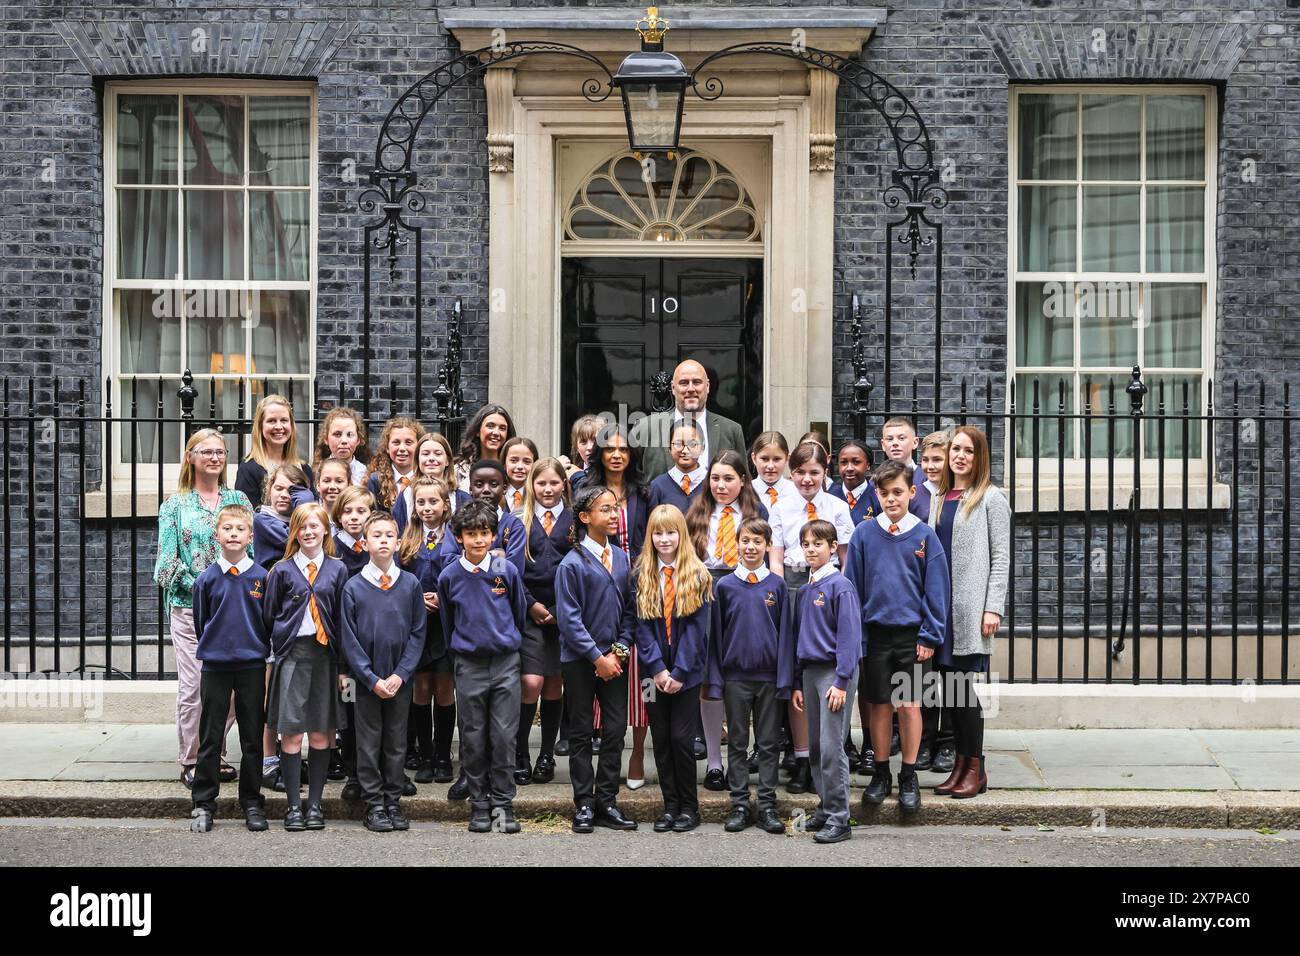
x: 305, y: 690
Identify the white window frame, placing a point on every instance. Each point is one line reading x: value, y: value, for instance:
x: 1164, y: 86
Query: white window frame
x: 1075, y: 466
x: 147, y: 473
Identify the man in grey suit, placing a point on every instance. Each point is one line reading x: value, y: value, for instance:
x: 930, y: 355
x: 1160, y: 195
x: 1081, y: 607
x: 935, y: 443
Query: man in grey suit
x: 651, y: 435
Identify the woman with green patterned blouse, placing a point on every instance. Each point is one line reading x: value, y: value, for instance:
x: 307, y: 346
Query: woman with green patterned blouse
x: 186, y: 545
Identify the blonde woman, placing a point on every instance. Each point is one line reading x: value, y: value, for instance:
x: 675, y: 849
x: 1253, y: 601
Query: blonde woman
x: 674, y: 597
x: 275, y: 442
x: 187, y: 544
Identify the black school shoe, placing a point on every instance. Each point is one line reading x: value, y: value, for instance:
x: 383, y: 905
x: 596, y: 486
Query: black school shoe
x: 738, y: 820
x: 924, y: 758
x: 294, y: 821
x: 909, y: 793
x: 408, y: 786
x: 424, y: 773
x: 714, y: 780
x: 584, y: 821
x: 187, y: 777
x: 788, y: 762
x: 944, y: 760
x: 699, y: 748
x: 397, y: 818
x: 665, y: 823
x: 833, y: 833
x: 686, y: 822
x: 544, y: 769
x: 378, y: 821
x: 867, y: 762
x: 200, y: 820
x: 314, y: 818
x: 507, y: 821
x: 442, y: 770
x: 769, y: 821
x: 882, y: 782
x: 336, y: 771
x: 480, y: 820
x: 255, y: 819
x: 800, y: 778
x: 815, y: 822
x: 351, y: 790
x: 562, y: 746
x: 611, y: 817
x: 523, y: 774
x: 460, y: 789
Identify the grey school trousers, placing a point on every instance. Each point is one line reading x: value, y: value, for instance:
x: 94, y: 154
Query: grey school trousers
x: 830, y: 764
x: 487, y: 694
x: 744, y: 698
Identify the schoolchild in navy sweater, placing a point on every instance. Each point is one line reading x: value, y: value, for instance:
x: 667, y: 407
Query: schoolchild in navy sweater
x: 683, y: 482
x: 547, y: 518
x: 855, y: 487
x: 383, y: 621
x: 828, y: 629
x: 674, y: 611
x: 751, y: 669
x: 348, y: 518
x: 896, y: 564
x: 481, y: 599
x: 284, y: 490
x: 304, y: 596
x: 596, y: 613
x: 487, y: 482
x: 232, y: 646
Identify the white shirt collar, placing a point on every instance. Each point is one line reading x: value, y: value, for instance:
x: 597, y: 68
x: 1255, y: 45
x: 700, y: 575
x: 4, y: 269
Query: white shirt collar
x: 398, y: 476
x: 696, y: 476
x: 242, y: 566
x: 905, y: 524
x: 482, y: 565
x: 859, y: 491
x: 735, y: 511
x: 510, y: 495
x: 345, y: 538
x: 371, y: 573
x: 662, y: 564
x: 743, y: 572
x: 824, y: 571
x: 930, y: 486
x: 300, y: 558
x: 540, y: 513
x: 595, y: 549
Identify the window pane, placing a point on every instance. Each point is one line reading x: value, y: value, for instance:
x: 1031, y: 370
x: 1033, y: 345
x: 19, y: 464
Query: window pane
x: 280, y: 234
x: 142, y: 428
x: 146, y: 234
x: 1110, y: 229
x: 1047, y: 228
x: 1044, y: 392
x: 214, y: 234
x: 1049, y: 124
x: 1173, y: 335
x: 1175, y: 137
x: 279, y: 151
x: 1044, y: 323
x: 1109, y: 315
x: 214, y: 140
x: 146, y: 139
x: 282, y: 333
x: 1111, y: 134
x: 215, y: 324
x: 1175, y: 228
x: 1105, y: 394
x: 1179, y: 392
x: 150, y: 330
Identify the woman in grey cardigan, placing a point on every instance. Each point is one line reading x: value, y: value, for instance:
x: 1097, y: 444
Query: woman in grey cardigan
x: 973, y: 522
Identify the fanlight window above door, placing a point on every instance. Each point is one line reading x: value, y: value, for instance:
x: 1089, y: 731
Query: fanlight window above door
x: 689, y: 197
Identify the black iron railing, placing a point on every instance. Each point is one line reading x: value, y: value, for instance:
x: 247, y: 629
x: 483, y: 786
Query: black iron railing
x: 1174, y: 568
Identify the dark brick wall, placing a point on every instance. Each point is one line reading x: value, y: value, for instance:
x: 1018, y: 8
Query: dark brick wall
x: 954, y: 58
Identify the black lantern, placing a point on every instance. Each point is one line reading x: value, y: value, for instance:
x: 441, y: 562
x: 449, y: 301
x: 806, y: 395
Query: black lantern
x: 653, y: 84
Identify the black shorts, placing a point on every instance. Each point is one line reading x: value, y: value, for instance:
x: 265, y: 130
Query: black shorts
x: 894, y: 675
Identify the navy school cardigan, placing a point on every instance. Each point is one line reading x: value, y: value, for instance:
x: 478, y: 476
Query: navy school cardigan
x: 425, y: 567
x: 383, y: 631
x: 286, y: 602
x: 752, y: 637
x: 354, y: 561
x: 685, y: 658
x: 546, y: 554
x: 594, y: 608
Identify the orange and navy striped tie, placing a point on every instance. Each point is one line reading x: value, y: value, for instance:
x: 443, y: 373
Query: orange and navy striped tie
x: 726, y: 552
x: 772, y: 496
x: 753, y: 578
x: 548, y: 522
x: 321, y: 636
x: 812, y: 511
x: 853, y: 502
x: 607, y: 560
x: 670, y: 599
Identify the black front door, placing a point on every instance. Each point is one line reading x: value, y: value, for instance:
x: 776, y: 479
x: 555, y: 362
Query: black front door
x: 626, y: 319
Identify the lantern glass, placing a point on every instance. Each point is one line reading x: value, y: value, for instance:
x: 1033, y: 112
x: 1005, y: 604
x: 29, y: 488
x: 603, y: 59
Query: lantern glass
x: 653, y: 114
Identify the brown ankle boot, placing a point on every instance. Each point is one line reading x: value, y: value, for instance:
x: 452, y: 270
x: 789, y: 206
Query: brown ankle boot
x: 958, y: 768
x: 973, y: 780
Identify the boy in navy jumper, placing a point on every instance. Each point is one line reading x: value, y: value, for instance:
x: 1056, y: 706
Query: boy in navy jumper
x: 828, y: 625
x: 682, y: 483
x: 481, y: 596
x: 896, y: 565
x: 383, y: 634
x: 751, y: 668
x: 899, y: 441
x: 233, y: 646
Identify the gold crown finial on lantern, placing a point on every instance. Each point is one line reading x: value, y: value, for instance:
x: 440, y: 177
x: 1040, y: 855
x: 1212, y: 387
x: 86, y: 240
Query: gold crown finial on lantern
x: 651, y: 27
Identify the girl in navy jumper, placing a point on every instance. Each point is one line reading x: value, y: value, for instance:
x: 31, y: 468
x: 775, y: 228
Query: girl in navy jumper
x: 349, y: 516
x: 392, y: 469
x: 855, y: 487
x: 674, y: 597
x: 433, y: 457
x: 595, y: 610
x: 285, y: 488
x: 421, y: 554
x: 751, y: 671
x: 332, y: 479
x: 517, y: 457
x: 685, y: 481
x: 304, y: 593
x: 547, y: 519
